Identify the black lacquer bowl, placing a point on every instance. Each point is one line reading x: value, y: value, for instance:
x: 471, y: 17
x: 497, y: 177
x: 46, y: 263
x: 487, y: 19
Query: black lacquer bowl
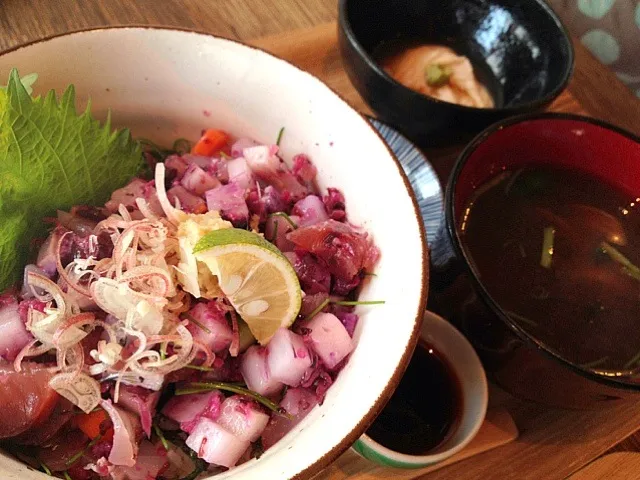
x: 519, y: 50
x: 514, y: 357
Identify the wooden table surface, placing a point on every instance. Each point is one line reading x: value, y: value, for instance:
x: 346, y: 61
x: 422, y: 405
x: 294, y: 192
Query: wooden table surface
x: 576, y: 438
x: 595, y: 87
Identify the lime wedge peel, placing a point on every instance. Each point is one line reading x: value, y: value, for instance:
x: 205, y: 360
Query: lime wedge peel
x: 256, y: 277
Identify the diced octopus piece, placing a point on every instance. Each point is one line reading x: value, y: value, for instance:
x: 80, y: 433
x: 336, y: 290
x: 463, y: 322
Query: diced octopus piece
x: 216, y: 445
x: 212, y: 329
x: 267, y: 166
x: 188, y: 409
x: 13, y: 333
x: 229, y: 201
x: 141, y: 401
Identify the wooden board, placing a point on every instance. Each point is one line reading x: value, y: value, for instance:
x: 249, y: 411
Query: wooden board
x: 553, y: 443
x: 616, y: 466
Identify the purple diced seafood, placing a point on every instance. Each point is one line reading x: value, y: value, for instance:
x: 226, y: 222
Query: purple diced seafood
x: 288, y: 357
x: 214, y: 444
x: 329, y: 338
x: 255, y: 371
x: 197, y: 181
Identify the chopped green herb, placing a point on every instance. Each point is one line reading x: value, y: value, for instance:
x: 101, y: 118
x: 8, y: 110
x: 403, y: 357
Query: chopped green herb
x: 595, y: 363
x: 286, y: 217
x: 79, y: 455
x: 46, y: 469
x: 152, y: 147
x: 318, y: 309
x: 615, y: 255
x: 279, y: 139
x: 275, y: 233
x: 370, y: 274
x: 521, y: 319
x: 547, y: 247
x: 196, y: 322
x: 161, y: 436
x: 224, y: 155
x: 182, y: 146
x: 201, y: 387
x: 200, y: 466
x: 437, y: 75
x: 633, y: 363
x: 200, y: 368
x: 66, y: 476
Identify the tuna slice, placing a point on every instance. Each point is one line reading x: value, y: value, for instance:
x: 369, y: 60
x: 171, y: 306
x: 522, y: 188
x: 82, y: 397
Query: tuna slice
x: 27, y: 399
x: 61, y: 449
x: 45, y: 431
x: 345, y: 251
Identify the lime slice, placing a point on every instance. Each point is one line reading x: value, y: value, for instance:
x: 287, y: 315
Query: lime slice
x: 255, y: 276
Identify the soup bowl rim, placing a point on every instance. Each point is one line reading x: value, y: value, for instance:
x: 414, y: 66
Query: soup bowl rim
x: 461, y: 254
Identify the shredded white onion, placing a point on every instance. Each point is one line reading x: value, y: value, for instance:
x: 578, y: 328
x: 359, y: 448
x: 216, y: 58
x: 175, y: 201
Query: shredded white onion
x: 124, y: 449
x: 80, y: 389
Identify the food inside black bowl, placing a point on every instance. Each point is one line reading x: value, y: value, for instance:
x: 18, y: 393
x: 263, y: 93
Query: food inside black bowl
x: 438, y: 68
x: 436, y: 71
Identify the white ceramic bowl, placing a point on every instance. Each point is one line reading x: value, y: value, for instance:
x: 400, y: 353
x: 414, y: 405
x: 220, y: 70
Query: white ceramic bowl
x: 456, y: 349
x: 165, y: 84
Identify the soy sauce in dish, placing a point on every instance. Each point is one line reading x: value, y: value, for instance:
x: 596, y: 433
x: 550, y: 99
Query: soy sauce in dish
x: 424, y: 410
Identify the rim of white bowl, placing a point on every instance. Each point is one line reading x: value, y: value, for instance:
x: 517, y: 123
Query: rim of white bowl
x: 364, y: 423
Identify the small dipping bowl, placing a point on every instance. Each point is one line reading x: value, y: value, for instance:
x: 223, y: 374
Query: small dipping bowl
x: 520, y: 51
x: 513, y: 357
x: 460, y: 356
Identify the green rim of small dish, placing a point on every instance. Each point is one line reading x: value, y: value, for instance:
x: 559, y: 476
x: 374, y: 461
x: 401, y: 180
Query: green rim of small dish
x: 364, y: 450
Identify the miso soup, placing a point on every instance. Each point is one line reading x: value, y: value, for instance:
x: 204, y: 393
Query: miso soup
x: 559, y: 251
